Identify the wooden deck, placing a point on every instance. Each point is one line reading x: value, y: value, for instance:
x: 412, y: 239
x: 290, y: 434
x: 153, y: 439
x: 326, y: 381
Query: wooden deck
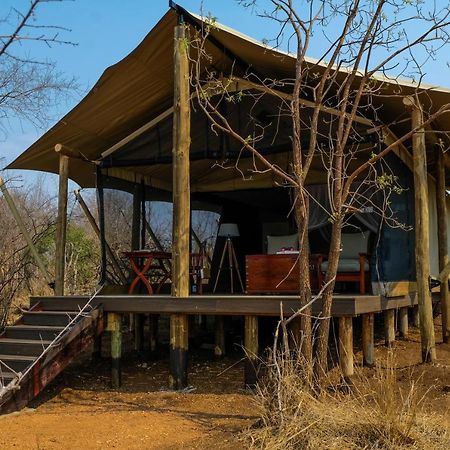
x: 227, y: 305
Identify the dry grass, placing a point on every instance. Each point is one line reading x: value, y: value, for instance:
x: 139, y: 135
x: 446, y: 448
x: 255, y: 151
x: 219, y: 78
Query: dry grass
x: 377, y: 414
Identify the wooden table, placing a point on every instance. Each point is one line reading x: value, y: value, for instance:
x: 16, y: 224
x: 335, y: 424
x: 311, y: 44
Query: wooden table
x: 272, y: 274
x: 147, y: 264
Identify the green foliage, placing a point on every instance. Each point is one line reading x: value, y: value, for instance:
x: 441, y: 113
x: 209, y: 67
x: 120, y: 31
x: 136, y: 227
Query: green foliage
x: 389, y: 181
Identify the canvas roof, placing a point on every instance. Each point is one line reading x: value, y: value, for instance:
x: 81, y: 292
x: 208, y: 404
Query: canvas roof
x: 140, y: 87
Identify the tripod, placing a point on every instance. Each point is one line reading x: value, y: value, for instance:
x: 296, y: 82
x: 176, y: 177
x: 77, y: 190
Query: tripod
x: 232, y: 264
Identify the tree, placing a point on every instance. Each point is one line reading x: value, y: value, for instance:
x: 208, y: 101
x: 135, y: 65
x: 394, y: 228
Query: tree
x: 29, y: 86
x: 332, y: 105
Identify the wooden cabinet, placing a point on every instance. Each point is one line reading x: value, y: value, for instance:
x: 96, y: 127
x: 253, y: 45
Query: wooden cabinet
x: 273, y: 274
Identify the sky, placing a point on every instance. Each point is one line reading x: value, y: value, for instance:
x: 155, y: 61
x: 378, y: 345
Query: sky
x: 105, y: 31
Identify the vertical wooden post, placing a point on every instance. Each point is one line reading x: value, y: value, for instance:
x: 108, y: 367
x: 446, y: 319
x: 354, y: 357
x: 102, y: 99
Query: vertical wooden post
x: 346, y: 347
x: 219, y: 348
x: 61, y: 225
x: 115, y: 327
x: 153, y: 333
x: 403, y: 322
x: 136, y: 220
x: 96, y: 229
x: 416, y: 317
x: 251, y: 337
x: 422, y: 233
x: 181, y: 208
x: 368, y: 345
x: 443, y: 240
x: 389, y: 327
x: 101, y: 223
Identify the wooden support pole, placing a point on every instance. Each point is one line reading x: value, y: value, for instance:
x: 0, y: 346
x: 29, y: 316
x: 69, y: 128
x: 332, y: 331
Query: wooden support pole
x: 96, y: 229
x: 139, y: 332
x: 181, y: 208
x: 23, y: 230
x: 136, y: 220
x: 219, y: 348
x: 389, y: 327
x: 251, y: 337
x: 153, y: 325
x: 416, y: 317
x: 115, y: 327
x: 403, y: 322
x: 61, y: 225
x: 346, y: 347
x: 442, y: 240
x: 422, y: 233
x: 368, y: 344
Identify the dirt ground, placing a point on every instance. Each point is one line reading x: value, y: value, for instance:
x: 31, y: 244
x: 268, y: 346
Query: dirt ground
x: 80, y: 411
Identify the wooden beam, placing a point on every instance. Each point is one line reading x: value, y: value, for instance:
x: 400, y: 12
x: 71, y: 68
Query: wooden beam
x: 441, y: 206
x: 346, y: 348
x: 422, y: 232
x: 67, y: 151
x: 137, y: 133
x: 181, y: 207
x: 368, y: 345
x: 237, y: 83
x: 115, y: 327
x: 226, y: 305
x: 96, y: 229
x: 251, y: 349
x: 23, y: 230
x: 389, y: 327
x: 403, y: 322
x: 219, y: 347
x: 61, y: 225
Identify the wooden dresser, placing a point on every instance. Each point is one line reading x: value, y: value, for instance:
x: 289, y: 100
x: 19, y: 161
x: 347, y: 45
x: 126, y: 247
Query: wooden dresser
x: 273, y: 274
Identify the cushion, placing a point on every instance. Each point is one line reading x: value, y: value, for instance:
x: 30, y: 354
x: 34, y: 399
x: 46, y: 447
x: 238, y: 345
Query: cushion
x: 346, y: 265
x: 276, y: 243
x: 353, y: 244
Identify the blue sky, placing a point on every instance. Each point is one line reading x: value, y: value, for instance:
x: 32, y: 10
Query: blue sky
x: 107, y: 30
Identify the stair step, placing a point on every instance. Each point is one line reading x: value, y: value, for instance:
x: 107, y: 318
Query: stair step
x: 51, y: 318
x: 17, y: 362
x: 32, y: 332
x: 27, y: 347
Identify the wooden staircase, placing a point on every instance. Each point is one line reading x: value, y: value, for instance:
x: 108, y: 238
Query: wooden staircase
x: 38, y: 347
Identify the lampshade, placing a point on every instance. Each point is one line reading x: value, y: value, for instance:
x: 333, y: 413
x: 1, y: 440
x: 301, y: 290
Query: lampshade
x: 228, y: 230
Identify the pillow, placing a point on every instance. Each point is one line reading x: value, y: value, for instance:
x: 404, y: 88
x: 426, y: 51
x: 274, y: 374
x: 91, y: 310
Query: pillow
x: 353, y: 244
x: 276, y: 243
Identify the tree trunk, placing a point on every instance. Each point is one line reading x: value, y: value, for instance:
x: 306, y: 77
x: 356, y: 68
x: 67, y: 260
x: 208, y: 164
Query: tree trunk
x: 320, y: 362
x: 302, y: 327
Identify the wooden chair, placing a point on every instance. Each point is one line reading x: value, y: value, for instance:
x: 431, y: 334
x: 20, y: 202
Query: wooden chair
x: 354, y: 261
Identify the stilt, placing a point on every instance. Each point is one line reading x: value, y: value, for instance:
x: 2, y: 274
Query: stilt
x: 219, y: 348
x: 416, y: 317
x: 441, y: 205
x: 97, y: 348
x: 153, y: 333
x: 181, y: 208
x: 139, y: 320
x: 251, y: 349
x: 61, y: 225
x: 346, y: 348
x: 422, y: 231
x: 115, y: 327
x: 403, y: 322
x: 368, y: 346
x: 178, y: 351
x: 389, y: 327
